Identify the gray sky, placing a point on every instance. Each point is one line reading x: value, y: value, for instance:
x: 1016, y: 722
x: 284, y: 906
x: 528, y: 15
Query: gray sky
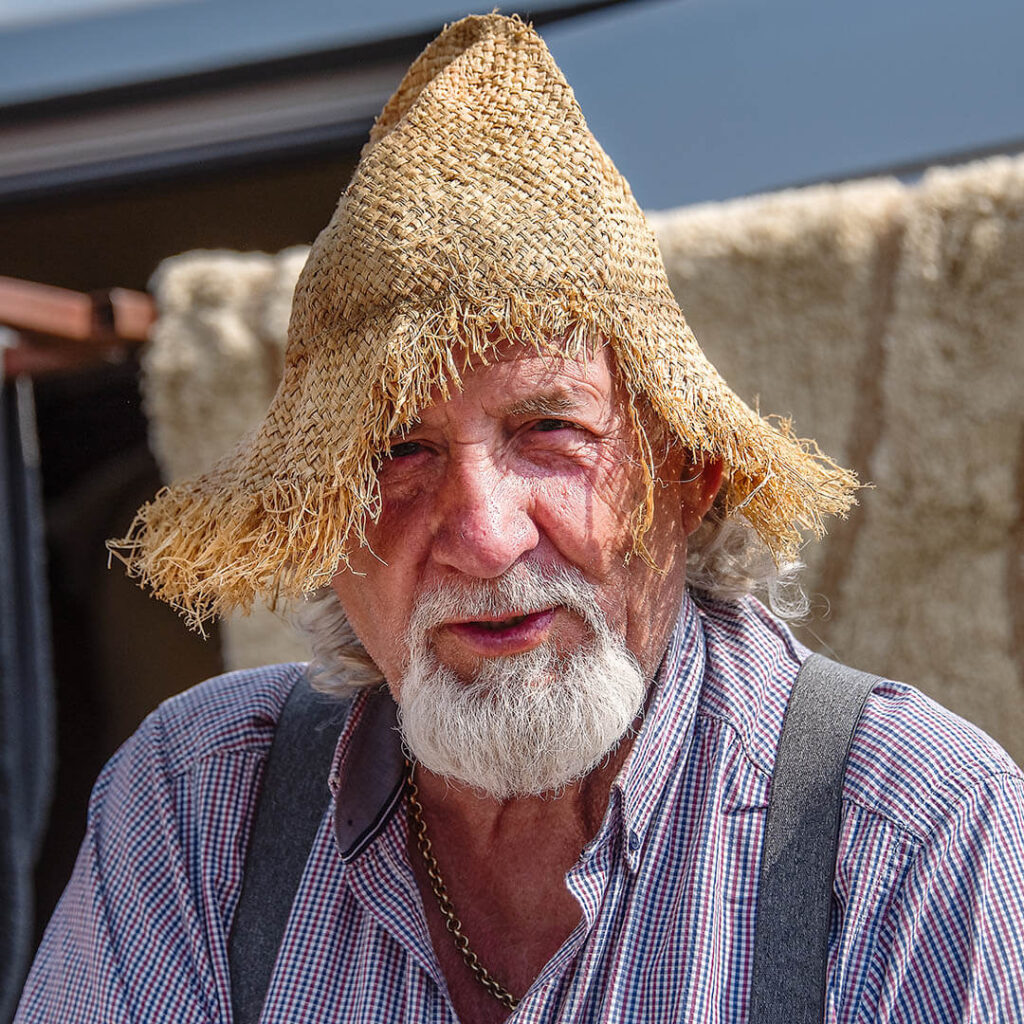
x: 694, y: 99
x: 714, y: 98
x: 25, y: 12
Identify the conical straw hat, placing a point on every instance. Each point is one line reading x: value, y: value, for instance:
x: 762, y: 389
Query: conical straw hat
x: 482, y: 210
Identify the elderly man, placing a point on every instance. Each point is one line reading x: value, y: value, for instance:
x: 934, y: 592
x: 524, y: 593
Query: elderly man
x: 523, y: 499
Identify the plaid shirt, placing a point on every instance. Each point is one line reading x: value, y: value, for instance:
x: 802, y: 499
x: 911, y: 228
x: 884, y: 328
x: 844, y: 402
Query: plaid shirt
x: 929, y: 919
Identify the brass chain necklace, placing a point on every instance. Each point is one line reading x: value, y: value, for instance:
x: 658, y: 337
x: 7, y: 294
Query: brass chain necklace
x: 451, y: 920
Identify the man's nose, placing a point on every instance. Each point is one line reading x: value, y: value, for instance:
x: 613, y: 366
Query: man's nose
x: 484, y: 522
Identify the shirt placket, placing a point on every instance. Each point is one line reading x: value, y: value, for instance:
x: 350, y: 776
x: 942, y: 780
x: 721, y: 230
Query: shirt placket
x: 382, y: 881
x: 555, y: 990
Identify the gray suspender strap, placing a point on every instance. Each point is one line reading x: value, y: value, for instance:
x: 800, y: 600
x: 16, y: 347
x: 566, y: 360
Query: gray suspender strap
x: 293, y: 798
x: 801, y: 839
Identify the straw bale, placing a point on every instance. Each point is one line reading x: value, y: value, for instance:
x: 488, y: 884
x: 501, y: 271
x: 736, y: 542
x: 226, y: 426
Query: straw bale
x: 785, y: 292
x: 933, y: 587
x: 209, y: 372
x: 888, y: 320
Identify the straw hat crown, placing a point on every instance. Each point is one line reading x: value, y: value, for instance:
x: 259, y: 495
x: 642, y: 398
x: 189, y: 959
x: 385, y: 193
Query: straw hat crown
x: 480, y: 181
x: 482, y: 209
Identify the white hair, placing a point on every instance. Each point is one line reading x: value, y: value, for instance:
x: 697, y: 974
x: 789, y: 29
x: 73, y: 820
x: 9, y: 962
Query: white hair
x: 725, y: 561
x: 339, y: 664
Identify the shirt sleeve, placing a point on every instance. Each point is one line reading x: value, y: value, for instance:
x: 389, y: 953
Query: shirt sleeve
x: 956, y: 932
x: 125, y: 944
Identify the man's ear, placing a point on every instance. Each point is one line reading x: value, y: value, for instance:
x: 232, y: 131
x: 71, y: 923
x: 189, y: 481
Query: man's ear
x: 700, y: 483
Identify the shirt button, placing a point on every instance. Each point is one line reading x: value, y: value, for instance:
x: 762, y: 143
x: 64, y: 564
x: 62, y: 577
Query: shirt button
x: 634, y: 841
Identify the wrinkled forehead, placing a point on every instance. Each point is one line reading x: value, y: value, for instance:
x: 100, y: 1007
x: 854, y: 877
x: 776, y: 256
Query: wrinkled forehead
x: 517, y: 380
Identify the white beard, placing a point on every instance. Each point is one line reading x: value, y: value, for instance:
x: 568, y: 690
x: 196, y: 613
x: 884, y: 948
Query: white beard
x: 528, y: 723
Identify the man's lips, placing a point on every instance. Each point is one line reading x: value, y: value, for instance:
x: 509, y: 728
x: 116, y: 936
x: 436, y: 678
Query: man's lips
x: 495, y: 635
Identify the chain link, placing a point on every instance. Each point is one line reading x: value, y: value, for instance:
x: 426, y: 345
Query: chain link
x: 444, y: 903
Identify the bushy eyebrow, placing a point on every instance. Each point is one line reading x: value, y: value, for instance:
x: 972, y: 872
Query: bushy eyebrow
x: 554, y: 403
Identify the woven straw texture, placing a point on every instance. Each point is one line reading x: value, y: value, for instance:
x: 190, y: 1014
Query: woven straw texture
x: 482, y: 209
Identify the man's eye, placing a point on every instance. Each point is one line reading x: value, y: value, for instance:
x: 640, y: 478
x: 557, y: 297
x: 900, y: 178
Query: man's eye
x: 403, y: 449
x: 549, y: 425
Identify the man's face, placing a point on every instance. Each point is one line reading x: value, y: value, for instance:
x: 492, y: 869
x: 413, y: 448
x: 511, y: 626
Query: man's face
x: 533, y: 463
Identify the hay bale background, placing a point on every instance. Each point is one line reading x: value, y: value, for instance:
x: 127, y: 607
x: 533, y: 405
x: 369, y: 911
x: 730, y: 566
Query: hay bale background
x: 213, y: 362
x: 887, y: 320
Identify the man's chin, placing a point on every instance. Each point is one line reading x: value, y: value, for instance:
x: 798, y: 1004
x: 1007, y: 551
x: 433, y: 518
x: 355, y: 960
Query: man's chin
x: 444, y: 653
x: 522, y: 726
x: 484, y: 678
x: 529, y: 777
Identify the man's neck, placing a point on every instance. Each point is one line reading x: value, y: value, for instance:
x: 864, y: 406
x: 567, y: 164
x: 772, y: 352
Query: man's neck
x: 482, y: 821
x: 504, y: 864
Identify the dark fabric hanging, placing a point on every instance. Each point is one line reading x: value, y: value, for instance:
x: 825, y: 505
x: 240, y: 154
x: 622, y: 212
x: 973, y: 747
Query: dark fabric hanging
x: 26, y: 684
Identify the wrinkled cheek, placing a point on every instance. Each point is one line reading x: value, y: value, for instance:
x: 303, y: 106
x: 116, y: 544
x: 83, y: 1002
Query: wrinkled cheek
x: 401, y: 515
x: 595, y: 521
x: 596, y: 540
x: 375, y: 589
x: 375, y: 615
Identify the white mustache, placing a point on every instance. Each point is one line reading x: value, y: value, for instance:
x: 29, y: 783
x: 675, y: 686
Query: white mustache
x: 525, y: 589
